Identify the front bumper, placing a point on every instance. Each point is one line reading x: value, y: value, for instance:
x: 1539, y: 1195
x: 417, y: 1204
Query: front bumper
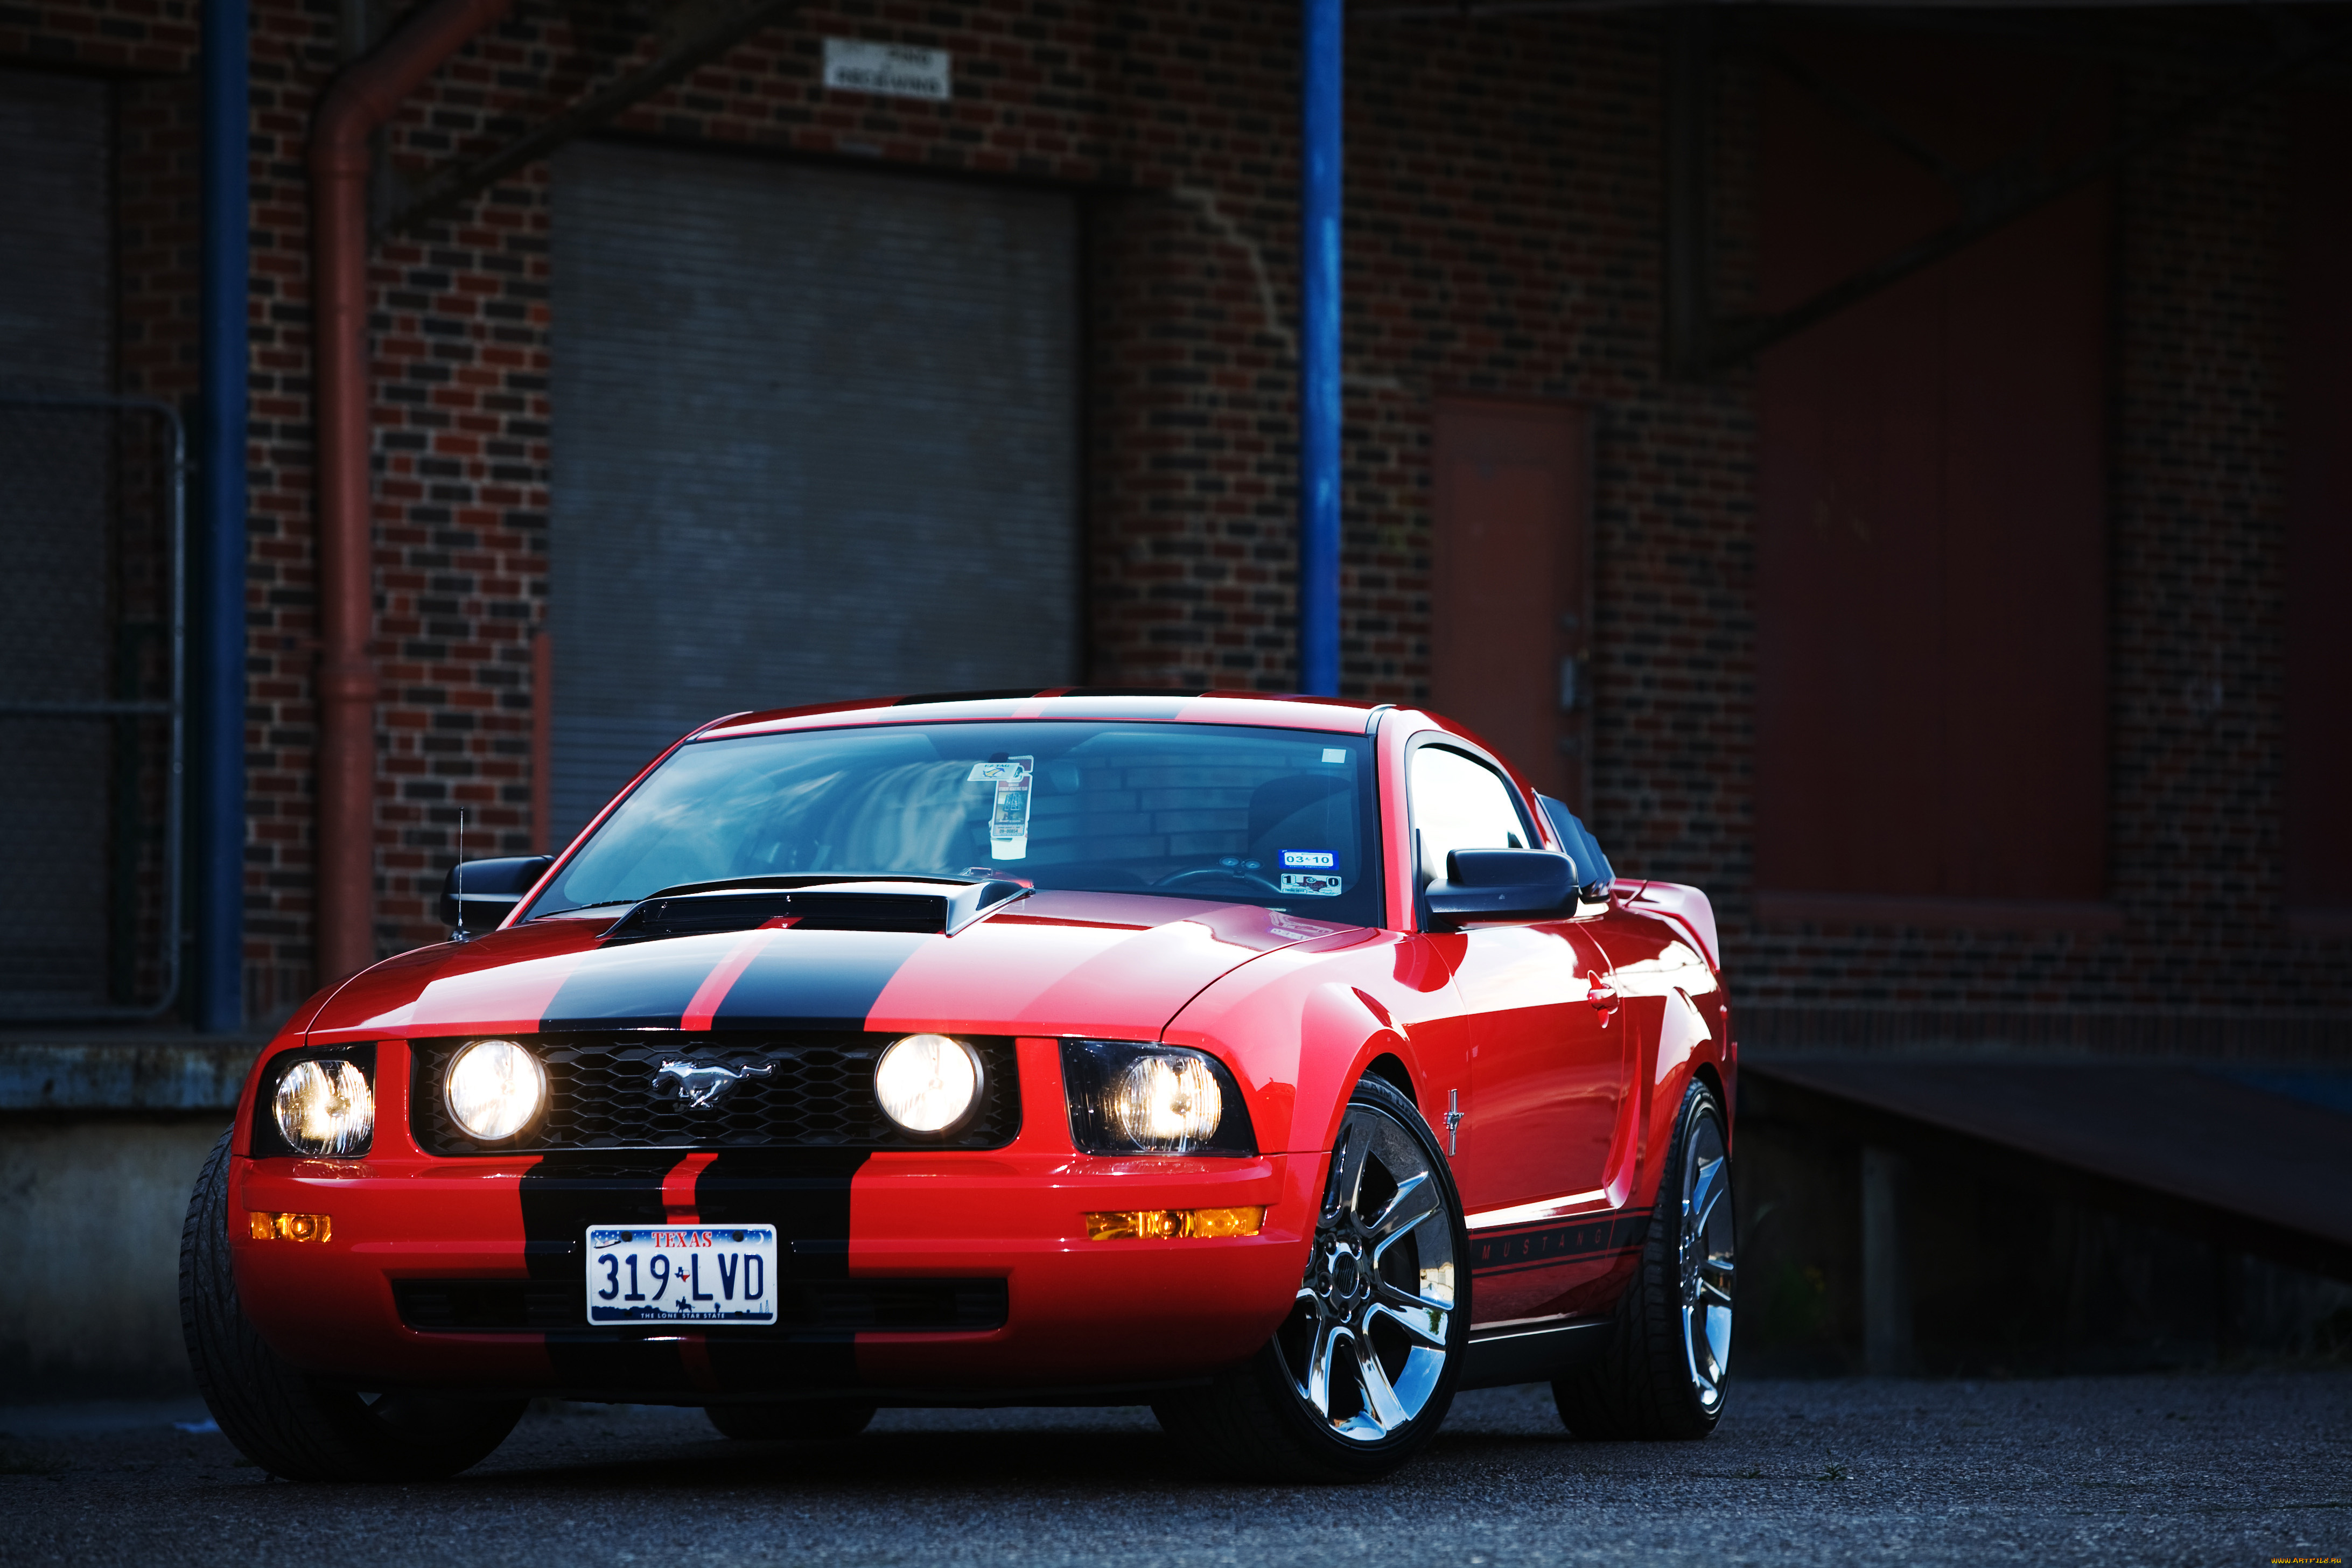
x: 370, y: 1305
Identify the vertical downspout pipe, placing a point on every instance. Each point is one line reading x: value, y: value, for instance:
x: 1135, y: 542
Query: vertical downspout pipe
x: 1322, y: 32
x: 217, y: 867
x: 362, y: 99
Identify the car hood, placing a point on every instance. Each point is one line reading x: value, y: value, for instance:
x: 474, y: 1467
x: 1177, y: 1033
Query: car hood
x: 1110, y: 964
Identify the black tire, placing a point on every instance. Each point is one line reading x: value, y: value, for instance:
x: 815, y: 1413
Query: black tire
x: 812, y: 1420
x: 291, y: 1425
x: 1256, y: 1422
x: 1653, y: 1383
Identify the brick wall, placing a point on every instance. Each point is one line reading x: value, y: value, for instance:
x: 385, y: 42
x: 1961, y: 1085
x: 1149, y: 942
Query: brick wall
x: 1504, y: 223
x: 458, y: 322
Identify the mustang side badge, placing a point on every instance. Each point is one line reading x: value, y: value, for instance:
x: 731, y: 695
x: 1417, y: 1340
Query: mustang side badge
x: 700, y: 1086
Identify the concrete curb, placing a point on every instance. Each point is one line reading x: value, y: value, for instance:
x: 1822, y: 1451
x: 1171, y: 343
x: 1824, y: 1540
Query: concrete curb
x: 190, y: 1073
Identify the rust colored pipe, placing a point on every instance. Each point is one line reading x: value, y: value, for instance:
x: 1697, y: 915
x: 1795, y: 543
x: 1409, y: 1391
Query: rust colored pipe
x: 362, y: 99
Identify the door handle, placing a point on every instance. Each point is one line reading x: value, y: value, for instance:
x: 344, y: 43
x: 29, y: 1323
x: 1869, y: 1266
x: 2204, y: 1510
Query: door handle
x: 1604, y: 995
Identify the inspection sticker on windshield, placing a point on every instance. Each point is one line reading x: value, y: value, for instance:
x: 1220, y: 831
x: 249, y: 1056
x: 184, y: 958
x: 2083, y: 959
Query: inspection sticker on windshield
x: 682, y: 1274
x: 1311, y: 859
x: 1316, y: 887
x: 1008, y: 821
x: 995, y: 773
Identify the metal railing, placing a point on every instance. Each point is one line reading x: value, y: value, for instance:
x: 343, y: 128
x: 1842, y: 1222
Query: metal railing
x: 94, y: 686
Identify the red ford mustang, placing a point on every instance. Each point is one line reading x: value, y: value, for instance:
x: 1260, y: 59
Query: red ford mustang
x: 1284, y: 1064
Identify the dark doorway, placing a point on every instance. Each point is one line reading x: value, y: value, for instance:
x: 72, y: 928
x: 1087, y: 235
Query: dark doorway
x: 1931, y: 530
x: 2319, y: 520
x: 1511, y: 605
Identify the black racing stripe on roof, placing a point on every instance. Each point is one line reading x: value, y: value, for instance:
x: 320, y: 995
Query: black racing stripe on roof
x: 1010, y: 694
x: 1057, y: 693
x: 1180, y: 695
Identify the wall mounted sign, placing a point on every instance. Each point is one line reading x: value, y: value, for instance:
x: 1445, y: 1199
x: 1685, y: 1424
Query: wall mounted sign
x: 892, y: 70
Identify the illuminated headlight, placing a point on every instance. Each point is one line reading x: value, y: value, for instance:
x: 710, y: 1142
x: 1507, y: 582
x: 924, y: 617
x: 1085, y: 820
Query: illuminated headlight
x: 928, y: 1083
x: 324, y: 1108
x: 495, y: 1089
x: 1134, y: 1099
x: 1166, y: 1102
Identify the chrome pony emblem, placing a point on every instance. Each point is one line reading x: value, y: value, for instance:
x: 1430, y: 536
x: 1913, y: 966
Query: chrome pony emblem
x: 700, y: 1087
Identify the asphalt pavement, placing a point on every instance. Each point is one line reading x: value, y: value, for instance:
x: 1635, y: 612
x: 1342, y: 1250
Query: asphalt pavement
x: 2238, y: 1469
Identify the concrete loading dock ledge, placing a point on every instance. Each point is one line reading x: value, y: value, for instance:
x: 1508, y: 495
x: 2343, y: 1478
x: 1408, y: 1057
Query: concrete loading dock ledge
x: 102, y: 1139
x: 1997, y: 1214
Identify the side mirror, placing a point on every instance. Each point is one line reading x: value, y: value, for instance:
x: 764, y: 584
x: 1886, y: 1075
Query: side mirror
x: 492, y: 890
x: 1493, y: 883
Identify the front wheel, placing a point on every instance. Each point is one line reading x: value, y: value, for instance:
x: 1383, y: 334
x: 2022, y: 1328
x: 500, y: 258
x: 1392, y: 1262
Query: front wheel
x: 1664, y: 1371
x: 291, y: 1425
x: 1358, y: 1377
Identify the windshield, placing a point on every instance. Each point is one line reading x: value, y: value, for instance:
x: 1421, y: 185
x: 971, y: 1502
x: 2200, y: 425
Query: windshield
x: 1279, y: 817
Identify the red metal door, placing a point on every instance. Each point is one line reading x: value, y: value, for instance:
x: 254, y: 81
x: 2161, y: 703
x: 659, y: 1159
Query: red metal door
x: 1931, y: 553
x: 1510, y: 610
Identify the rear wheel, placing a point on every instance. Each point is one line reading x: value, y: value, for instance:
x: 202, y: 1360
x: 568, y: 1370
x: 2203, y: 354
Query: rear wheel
x: 1665, y: 1373
x: 1358, y: 1377
x: 292, y: 1425
x: 815, y: 1420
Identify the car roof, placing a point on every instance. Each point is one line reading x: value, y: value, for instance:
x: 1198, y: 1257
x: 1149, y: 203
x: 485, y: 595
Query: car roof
x: 1149, y: 704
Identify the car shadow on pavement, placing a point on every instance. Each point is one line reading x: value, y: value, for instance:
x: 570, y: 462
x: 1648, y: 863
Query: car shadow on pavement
x: 880, y: 1462
x: 956, y: 1460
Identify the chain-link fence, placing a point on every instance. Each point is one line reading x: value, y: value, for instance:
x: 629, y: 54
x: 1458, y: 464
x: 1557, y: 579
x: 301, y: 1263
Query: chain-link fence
x: 91, y: 697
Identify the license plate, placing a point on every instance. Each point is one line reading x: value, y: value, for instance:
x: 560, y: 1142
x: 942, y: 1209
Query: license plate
x: 682, y: 1274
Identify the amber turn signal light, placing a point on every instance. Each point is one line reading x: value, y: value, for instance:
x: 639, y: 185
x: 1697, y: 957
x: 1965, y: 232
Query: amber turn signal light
x: 1175, y: 1224
x: 288, y: 1226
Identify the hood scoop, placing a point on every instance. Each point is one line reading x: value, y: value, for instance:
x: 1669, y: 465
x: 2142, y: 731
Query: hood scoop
x: 913, y: 905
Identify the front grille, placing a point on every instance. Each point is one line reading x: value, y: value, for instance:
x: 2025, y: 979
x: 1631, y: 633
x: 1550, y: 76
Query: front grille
x: 818, y: 1093
x: 459, y: 1306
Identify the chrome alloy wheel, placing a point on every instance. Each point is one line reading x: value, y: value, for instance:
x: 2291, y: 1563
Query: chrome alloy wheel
x: 1365, y: 1345
x: 1706, y: 1261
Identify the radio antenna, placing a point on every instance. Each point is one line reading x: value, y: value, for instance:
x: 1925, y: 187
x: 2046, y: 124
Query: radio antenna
x: 460, y: 935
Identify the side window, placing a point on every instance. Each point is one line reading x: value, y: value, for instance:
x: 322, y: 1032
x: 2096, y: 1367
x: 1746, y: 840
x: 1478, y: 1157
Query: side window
x: 1592, y: 869
x: 1459, y: 802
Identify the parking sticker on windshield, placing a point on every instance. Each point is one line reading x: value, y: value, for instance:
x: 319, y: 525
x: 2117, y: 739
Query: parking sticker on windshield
x: 1008, y: 823
x: 1311, y: 859
x: 1313, y: 886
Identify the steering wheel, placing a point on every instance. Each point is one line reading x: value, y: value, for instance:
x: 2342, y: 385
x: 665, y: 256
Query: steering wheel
x: 1229, y: 873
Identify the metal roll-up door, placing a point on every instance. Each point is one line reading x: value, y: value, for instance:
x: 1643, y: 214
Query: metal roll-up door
x: 815, y: 438
x: 56, y: 269
x: 56, y: 615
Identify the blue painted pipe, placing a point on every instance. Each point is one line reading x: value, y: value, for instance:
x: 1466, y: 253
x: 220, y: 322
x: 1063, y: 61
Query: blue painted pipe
x: 1318, y: 347
x: 217, y: 566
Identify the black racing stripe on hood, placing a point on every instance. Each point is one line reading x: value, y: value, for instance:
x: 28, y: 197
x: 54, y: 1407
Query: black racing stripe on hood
x: 562, y: 1196
x: 804, y: 1194
x: 817, y: 979
x: 639, y: 985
